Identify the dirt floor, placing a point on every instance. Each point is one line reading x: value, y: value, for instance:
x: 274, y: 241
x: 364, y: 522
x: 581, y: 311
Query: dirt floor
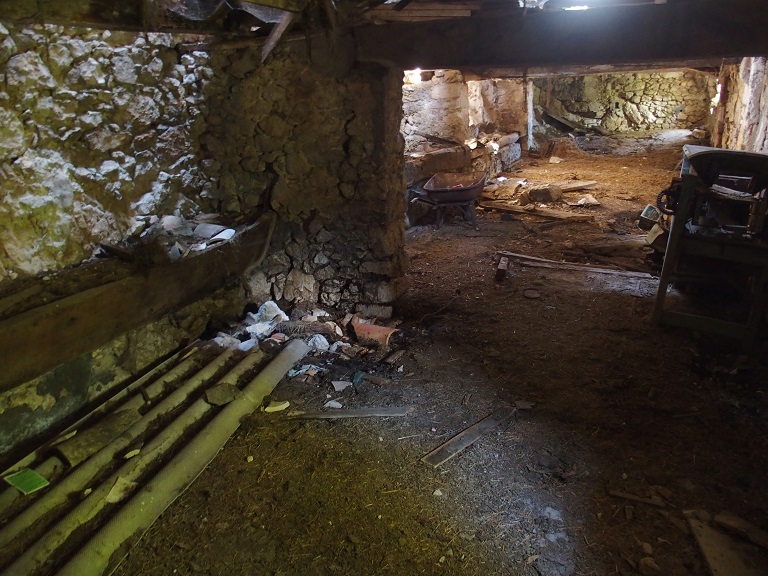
x: 675, y: 419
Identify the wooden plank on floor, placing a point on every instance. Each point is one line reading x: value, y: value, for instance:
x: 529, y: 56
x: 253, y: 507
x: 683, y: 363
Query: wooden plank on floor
x: 381, y: 412
x: 468, y: 436
x: 44, y: 337
x: 534, y: 262
x: 722, y: 554
x: 542, y: 212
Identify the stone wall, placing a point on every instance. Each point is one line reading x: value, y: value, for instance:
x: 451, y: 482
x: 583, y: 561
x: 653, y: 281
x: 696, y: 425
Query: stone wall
x: 97, y: 133
x: 101, y: 133
x: 629, y: 102
x: 435, y: 103
x: 497, y: 106
x: 325, y: 153
x: 745, y: 118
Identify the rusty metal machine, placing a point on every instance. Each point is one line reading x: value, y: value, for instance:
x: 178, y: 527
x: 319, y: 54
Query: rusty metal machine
x: 718, y: 235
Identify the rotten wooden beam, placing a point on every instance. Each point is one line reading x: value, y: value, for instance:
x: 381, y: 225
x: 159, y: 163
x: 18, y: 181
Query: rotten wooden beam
x: 612, y: 35
x: 42, y: 338
x: 500, y: 418
x: 276, y: 33
x: 541, y: 212
x: 158, y: 15
x: 534, y: 262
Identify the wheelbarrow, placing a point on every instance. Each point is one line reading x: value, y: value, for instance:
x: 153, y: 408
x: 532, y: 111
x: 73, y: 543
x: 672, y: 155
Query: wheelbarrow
x: 448, y: 189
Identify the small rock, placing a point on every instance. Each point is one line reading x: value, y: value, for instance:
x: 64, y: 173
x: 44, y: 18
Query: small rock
x: 646, y: 548
x: 437, y: 492
x: 249, y: 459
x: 333, y: 404
x: 546, y: 194
x: 531, y: 294
x: 222, y: 394
x: 648, y: 567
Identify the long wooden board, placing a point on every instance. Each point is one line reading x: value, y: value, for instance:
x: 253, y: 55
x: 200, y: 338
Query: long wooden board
x: 468, y: 436
x: 542, y: 212
x: 42, y: 338
x: 383, y: 412
x: 723, y: 555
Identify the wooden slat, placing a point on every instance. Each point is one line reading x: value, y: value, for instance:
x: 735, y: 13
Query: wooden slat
x: 469, y: 436
x: 42, y: 338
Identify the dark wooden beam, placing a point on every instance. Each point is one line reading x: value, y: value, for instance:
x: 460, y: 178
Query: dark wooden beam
x: 42, y: 338
x: 148, y: 15
x: 98, y: 13
x: 618, y: 35
x: 712, y: 65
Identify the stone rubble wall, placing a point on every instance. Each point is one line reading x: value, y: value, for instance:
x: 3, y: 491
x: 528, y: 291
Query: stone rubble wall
x: 437, y: 105
x: 497, y: 106
x: 325, y: 153
x: 745, y: 125
x: 101, y: 133
x: 629, y: 102
x: 97, y: 133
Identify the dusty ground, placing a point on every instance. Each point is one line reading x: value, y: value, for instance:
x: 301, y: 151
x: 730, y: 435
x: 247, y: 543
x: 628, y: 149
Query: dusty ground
x: 619, y: 405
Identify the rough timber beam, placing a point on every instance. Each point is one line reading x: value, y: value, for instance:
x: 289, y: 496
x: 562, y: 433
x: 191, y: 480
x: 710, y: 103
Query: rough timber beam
x: 613, y: 35
x: 149, y: 15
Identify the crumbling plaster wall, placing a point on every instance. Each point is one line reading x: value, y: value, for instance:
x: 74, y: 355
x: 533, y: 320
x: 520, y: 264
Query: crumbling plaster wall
x: 97, y: 134
x: 629, y: 102
x: 745, y: 120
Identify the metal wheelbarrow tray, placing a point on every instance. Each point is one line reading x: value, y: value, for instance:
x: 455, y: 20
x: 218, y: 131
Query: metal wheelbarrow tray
x: 447, y: 187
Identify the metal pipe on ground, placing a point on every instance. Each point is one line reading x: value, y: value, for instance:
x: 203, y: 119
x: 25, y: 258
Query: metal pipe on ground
x: 138, y: 514
x: 41, y: 552
x: 19, y: 528
x: 53, y: 465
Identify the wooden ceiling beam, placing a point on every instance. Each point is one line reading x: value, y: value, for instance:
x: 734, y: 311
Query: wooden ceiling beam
x: 690, y: 30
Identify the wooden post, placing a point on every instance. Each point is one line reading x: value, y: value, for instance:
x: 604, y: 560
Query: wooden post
x: 529, y: 102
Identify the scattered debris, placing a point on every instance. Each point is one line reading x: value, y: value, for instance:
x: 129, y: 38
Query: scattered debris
x: 333, y: 404
x: 373, y: 334
x: 533, y: 211
x: 531, y: 293
x: 467, y: 437
x: 394, y: 358
x: 587, y: 200
x: 742, y: 528
x: 502, y: 268
x: 648, y: 567
x: 573, y: 187
x: 535, y: 262
x: 318, y: 343
x: 309, y: 369
x: 277, y: 406
x: 385, y: 412
x: 653, y: 500
x: 339, y: 385
x: 721, y: 552
x: 545, y: 194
